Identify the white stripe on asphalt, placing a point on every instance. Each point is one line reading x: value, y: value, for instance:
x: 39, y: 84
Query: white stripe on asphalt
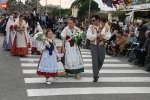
x: 106, y: 60
x: 89, y: 79
x: 84, y: 60
x: 87, y: 53
x: 87, y: 90
x: 86, y: 65
x: 27, y: 71
x: 84, y: 56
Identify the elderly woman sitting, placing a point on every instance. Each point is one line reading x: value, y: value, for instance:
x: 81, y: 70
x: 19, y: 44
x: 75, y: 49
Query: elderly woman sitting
x: 119, y: 43
x: 132, y: 38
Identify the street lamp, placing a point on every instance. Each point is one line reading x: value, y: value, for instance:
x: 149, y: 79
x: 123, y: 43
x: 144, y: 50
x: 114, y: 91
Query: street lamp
x: 37, y: 6
x: 46, y: 6
x: 60, y: 8
x: 89, y: 9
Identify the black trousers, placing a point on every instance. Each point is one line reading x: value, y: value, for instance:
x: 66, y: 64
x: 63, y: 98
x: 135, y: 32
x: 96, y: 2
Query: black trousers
x: 140, y: 55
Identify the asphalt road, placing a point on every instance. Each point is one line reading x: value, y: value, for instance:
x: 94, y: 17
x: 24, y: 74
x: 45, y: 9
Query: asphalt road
x: 119, y: 80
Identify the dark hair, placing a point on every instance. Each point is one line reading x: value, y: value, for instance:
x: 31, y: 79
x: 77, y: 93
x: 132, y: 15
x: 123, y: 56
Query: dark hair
x: 120, y: 32
x: 137, y: 24
x: 144, y: 21
x: 112, y: 28
x: 25, y: 18
x: 149, y: 34
x: 21, y: 16
x: 96, y: 17
x: 72, y: 19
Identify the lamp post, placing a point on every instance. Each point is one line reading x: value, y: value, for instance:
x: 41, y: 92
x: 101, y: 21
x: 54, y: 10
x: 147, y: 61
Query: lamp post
x: 37, y: 6
x: 89, y: 9
x: 60, y: 8
x: 46, y: 6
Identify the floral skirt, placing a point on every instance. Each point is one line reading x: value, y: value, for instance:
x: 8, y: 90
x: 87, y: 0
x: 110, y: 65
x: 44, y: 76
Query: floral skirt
x: 48, y: 65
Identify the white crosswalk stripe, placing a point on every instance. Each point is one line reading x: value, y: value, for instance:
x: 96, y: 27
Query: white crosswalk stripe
x: 112, y: 67
x: 87, y: 90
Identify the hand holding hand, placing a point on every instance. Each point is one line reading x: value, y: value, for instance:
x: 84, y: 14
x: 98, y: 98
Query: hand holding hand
x: 63, y: 50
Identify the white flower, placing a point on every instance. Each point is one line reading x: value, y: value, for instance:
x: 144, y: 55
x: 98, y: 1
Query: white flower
x: 35, y: 36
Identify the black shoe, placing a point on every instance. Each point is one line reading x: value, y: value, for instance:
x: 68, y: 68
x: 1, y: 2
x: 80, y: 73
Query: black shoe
x: 22, y: 55
x: 95, y: 80
x: 141, y: 65
x: 148, y: 69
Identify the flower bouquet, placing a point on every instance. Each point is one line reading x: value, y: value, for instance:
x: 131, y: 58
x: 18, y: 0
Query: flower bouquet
x: 41, y: 37
x: 78, y: 36
x: 20, y: 29
x: 29, y: 28
x: 11, y: 27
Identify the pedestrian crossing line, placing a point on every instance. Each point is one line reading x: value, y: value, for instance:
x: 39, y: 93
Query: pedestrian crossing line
x: 84, y: 60
x: 29, y: 71
x: 89, y: 79
x: 86, y: 53
x: 86, y: 65
x: 106, y: 60
x: 83, y: 56
x: 87, y: 90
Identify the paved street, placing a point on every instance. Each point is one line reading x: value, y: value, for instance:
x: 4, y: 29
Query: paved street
x: 119, y: 80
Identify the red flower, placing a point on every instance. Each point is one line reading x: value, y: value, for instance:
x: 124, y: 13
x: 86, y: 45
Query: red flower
x: 16, y: 16
x: 11, y: 27
x: 37, y: 31
x: 15, y: 26
x: 28, y: 28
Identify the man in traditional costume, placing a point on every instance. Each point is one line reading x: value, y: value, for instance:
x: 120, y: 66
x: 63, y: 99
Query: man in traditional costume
x: 98, y: 35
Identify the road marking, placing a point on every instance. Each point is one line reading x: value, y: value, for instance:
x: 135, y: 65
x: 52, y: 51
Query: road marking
x: 85, y: 65
x: 84, y: 60
x: 89, y: 79
x: 27, y: 71
x: 106, y: 60
x: 88, y: 90
x: 84, y: 56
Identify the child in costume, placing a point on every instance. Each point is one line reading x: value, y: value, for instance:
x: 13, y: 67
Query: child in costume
x: 48, y: 62
x: 61, y: 70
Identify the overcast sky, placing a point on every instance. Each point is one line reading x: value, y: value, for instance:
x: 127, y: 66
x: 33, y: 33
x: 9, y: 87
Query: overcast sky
x: 67, y: 3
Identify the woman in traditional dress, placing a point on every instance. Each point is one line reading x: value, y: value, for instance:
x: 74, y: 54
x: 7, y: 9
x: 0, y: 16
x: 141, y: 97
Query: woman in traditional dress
x: 19, y: 46
x: 73, y: 59
x: 35, y: 43
x: 8, y: 40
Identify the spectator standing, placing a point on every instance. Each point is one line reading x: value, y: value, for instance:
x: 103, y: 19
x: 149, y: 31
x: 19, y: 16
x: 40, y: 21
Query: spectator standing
x: 142, y: 29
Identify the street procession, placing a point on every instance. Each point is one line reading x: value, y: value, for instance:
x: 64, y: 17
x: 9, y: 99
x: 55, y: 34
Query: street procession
x: 75, y: 49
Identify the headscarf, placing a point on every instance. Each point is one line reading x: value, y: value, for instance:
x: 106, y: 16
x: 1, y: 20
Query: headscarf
x: 9, y: 23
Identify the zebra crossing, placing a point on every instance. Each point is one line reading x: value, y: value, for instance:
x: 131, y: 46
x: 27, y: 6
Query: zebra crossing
x: 117, y: 72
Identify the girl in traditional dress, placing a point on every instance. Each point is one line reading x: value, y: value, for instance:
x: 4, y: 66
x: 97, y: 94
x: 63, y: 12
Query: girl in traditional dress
x: 19, y: 46
x: 8, y: 40
x: 60, y: 64
x: 48, y: 62
x: 73, y: 59
x: 35, y: 43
